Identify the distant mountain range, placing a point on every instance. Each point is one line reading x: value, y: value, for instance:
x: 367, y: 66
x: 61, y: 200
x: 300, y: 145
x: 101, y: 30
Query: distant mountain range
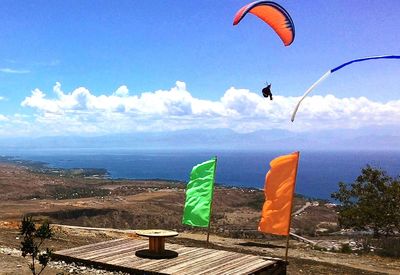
x: 360, y: 139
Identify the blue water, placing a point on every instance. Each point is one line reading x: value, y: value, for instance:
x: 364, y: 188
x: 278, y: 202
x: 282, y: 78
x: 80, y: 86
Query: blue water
x: 318, y: 174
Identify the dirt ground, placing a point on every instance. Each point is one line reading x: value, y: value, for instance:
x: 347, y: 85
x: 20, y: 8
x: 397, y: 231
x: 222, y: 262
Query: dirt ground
x: 129, y: 205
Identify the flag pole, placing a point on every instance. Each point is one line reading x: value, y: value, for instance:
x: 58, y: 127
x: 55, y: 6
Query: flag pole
x: 291, y: 209
x: 212, y: 198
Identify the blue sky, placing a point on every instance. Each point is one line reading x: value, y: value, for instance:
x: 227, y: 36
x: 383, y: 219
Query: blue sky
x: 207, y: 72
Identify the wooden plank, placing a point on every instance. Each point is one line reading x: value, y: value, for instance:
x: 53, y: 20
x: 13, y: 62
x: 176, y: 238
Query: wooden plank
x: 190, y: 253
x: 214, y: 267
x: 231, y: 266
x: 193, y: 261
x: 88, y: 255
x: 302, y: 239
x: 136, y: 261
x: 116, y: 254
x: 213, y: 263
x: 87, y: 247
x: 104, y: 254
x: 93, y: 247
x: 252, y: 266
x: 129, y: 262
x: 182, y: 256
x: 226, y: 266
x: 157, y: 266
x: 119, y: 255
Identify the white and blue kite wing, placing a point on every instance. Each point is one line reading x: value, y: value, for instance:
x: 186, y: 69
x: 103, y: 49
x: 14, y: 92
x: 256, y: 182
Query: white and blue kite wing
x: 336, y: 69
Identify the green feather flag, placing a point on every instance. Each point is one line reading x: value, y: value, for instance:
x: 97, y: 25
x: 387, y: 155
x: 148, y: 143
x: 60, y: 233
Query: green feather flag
x: 199, y: 194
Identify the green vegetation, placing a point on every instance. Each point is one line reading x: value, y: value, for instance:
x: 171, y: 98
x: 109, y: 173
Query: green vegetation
x: 60, y: 192
x: 346, y: 248
x: 372, y: 202
x: 389, y: 247
x: 32, y: 242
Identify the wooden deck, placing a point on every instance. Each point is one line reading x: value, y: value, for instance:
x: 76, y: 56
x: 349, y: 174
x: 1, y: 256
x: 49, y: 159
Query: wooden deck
x: 119, y: 255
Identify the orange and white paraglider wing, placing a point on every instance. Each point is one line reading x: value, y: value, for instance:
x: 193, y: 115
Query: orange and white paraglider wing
x: 272, y: 14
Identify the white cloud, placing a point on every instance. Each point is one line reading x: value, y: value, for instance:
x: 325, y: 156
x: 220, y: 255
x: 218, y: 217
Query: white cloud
x: 2, y: 117
x: 15, y: 125
x: 80, y: 111
x: 122, y: 91
x: 13, y: 71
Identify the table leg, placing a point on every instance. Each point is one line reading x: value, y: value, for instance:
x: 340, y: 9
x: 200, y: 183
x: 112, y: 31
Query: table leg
x: 157, y: 244
x: 156, y: 249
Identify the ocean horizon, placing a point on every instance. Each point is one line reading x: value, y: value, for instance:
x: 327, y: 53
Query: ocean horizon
x: 318, y: 175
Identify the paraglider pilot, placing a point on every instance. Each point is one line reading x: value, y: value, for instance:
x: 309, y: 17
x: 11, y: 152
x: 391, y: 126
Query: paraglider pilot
x: 267, y: 91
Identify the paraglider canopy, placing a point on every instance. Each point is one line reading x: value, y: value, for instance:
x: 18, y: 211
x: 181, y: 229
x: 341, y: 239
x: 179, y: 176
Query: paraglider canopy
x: 272, y: 14
x: 328, y: 73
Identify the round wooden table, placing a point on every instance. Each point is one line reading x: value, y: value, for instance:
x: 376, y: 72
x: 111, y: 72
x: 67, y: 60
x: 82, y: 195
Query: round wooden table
x: 156, y: 244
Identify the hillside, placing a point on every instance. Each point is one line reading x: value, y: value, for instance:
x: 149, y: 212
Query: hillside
x: 126, y: 204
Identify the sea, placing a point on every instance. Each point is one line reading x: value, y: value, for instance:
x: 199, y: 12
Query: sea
x: 319, y: 172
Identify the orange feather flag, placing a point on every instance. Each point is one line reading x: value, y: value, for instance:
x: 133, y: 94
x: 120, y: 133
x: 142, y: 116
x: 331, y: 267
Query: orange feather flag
x: 279, y: 191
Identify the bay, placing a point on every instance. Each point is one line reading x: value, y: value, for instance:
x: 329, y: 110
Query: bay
x: 318, y: 175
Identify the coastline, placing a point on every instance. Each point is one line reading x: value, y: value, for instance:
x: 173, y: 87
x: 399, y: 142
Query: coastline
x: 102, y: 174
x: 43, y: 167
